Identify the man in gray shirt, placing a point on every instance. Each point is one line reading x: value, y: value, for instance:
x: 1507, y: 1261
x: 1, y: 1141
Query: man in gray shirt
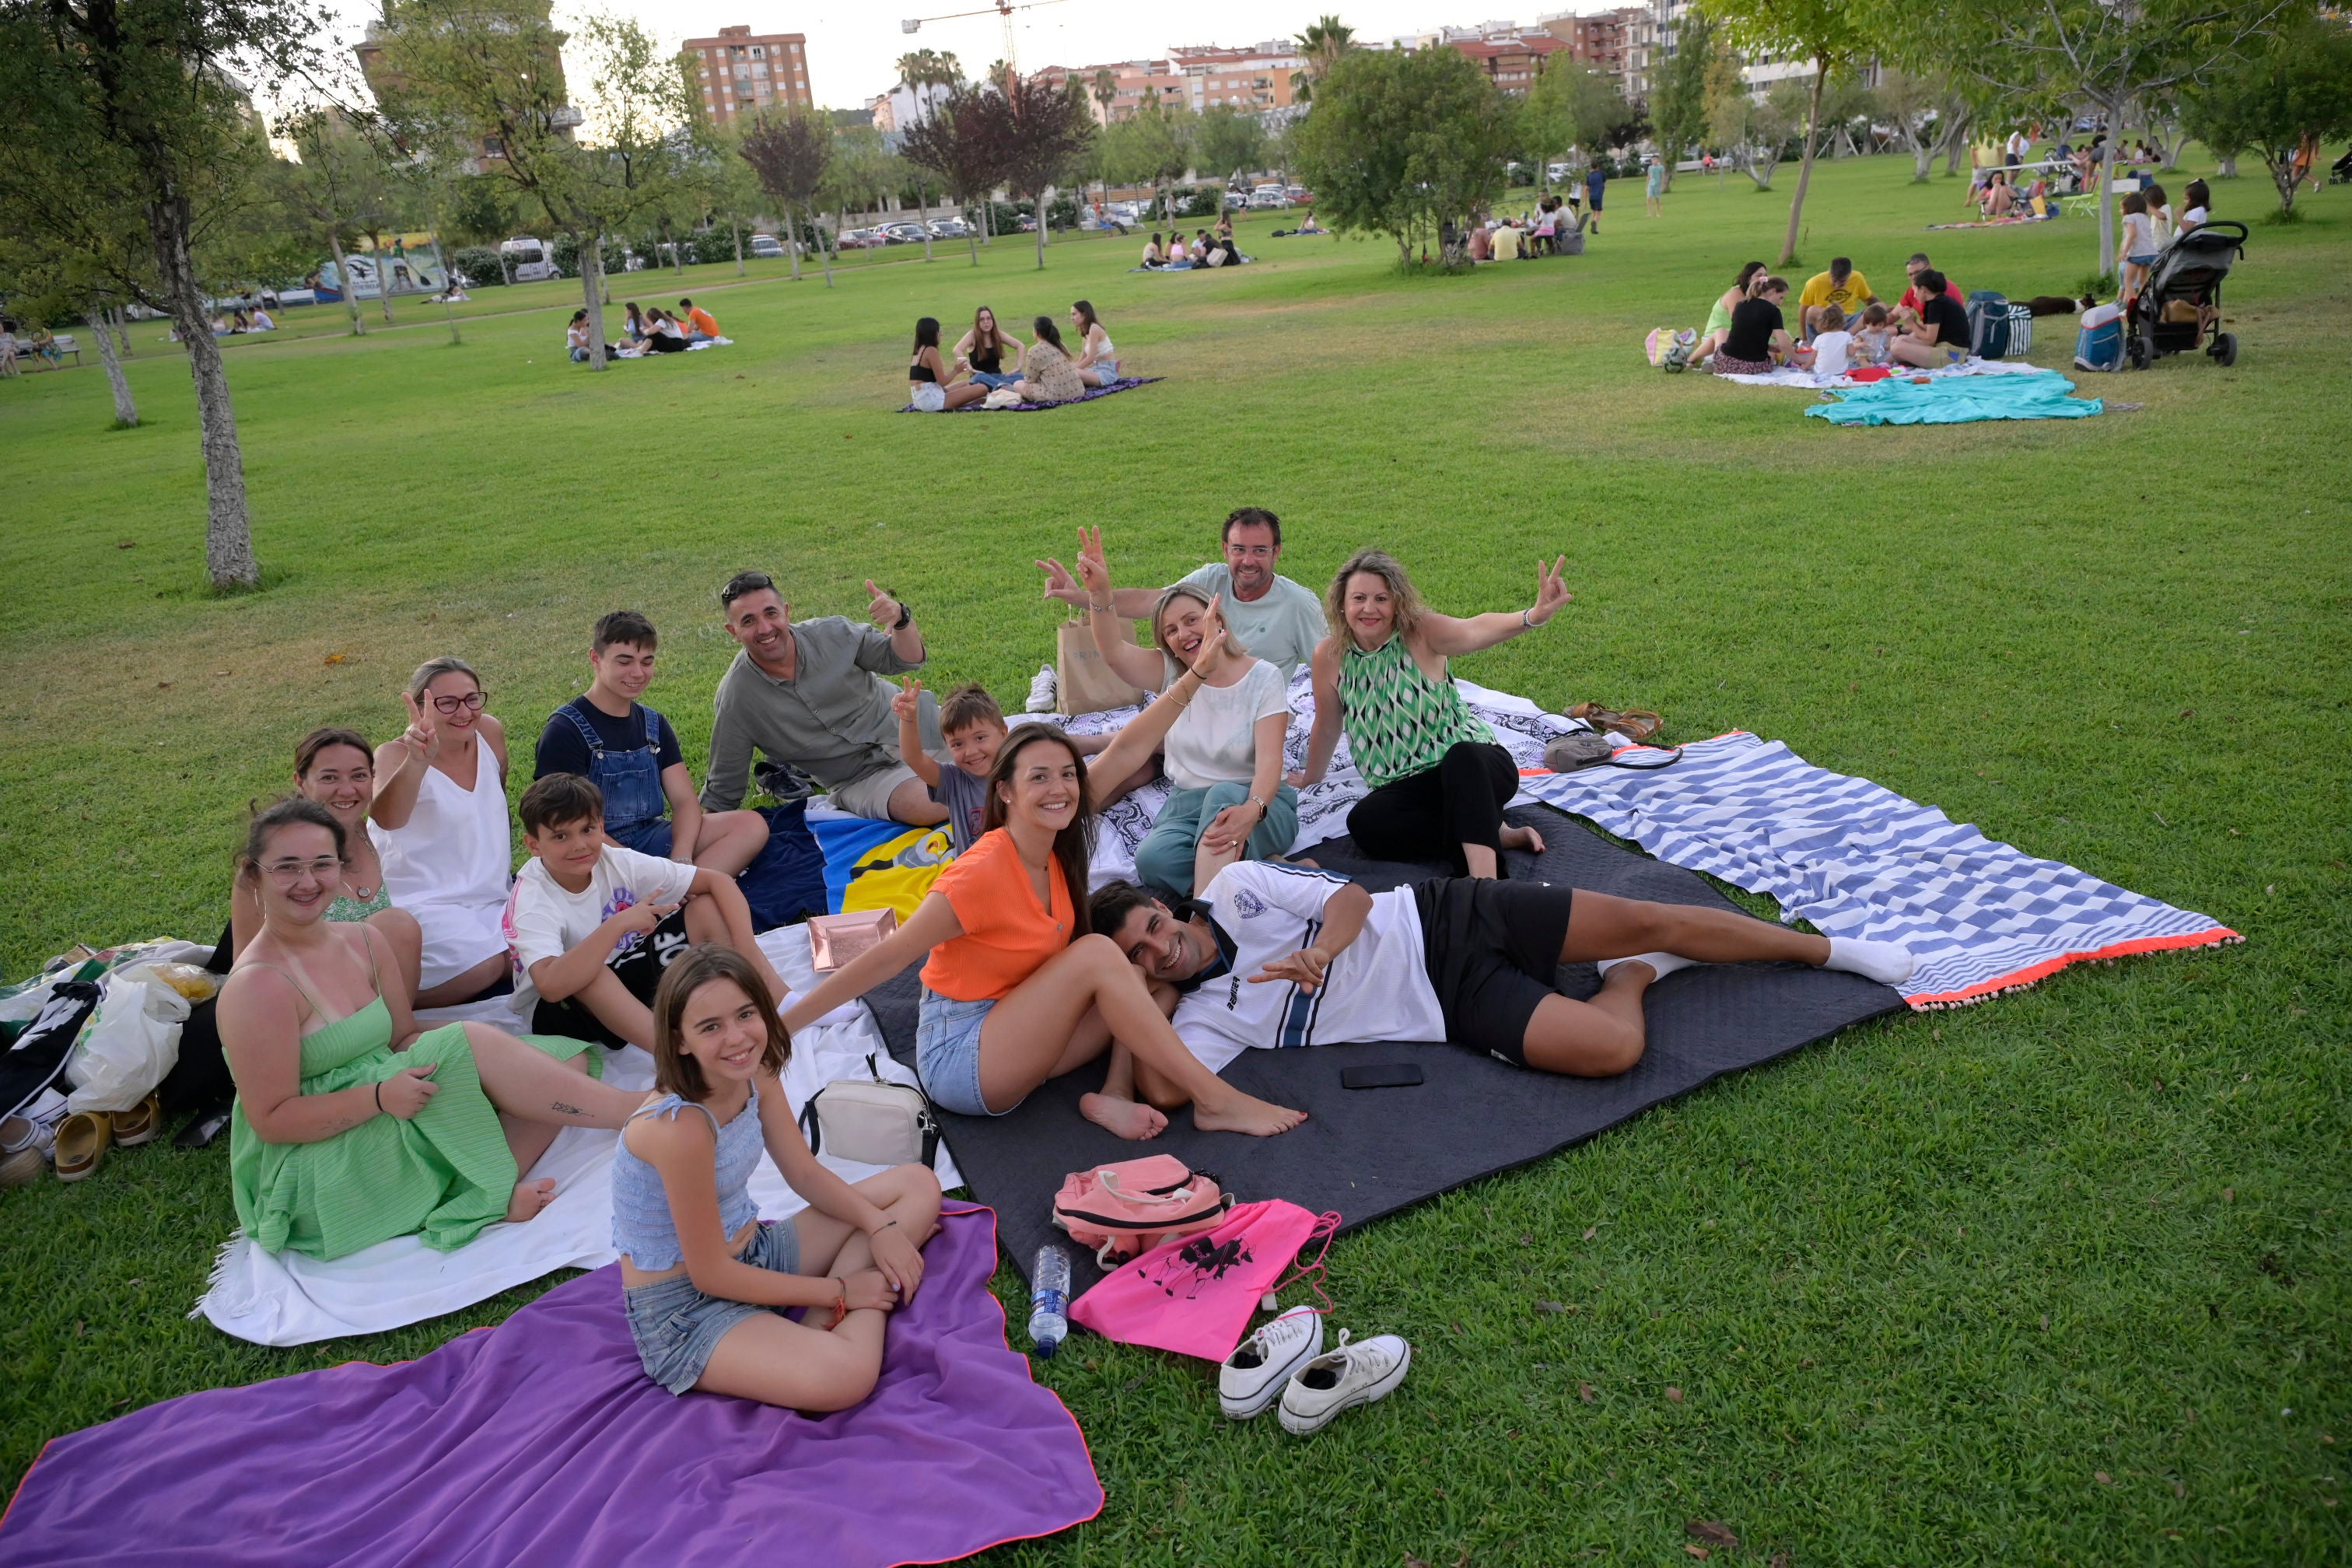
x: 1276, y: 619
x: 812, y: 695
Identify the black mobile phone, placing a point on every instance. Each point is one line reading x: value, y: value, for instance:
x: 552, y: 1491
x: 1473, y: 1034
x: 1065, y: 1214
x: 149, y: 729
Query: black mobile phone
x: 1392, y: 1075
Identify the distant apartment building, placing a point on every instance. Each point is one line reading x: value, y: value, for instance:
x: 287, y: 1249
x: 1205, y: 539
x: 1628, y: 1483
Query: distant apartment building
x: 1199, y: 77
x: 1511, y: 60
x: 1117, y: 89
x: 1597, y: 40
x: 739, y: 73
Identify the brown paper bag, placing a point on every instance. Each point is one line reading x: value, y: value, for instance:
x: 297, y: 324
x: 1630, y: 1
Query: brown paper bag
x: 1084, y: 682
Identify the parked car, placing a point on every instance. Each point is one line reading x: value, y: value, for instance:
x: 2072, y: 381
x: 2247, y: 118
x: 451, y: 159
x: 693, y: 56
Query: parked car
x: 904, y: 233
x: 1555, y: 173
x: 949, y: 228
x: 766, y: 244
x: 1236, y: 200
x: 854, y: 239
x: 1266, y: 198
x: 1300, y: 197
x: 1129, y: 213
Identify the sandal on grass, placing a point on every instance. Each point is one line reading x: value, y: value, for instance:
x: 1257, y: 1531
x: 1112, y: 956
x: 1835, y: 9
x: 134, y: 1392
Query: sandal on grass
x: 140, y: 1124
x: 1636, y: 724
x: 81, y: 1143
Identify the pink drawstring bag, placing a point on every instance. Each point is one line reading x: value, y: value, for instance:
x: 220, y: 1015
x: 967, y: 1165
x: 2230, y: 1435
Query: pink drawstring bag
x: 1194, y: 1296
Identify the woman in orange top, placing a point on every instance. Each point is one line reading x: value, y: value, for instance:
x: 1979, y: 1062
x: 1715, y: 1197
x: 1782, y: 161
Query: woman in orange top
x: 1017, y: 989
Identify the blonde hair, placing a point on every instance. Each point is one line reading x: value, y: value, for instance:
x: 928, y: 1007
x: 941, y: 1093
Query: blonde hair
x: 1384, y: 566
x: 1159, y: 610
x: 433, y: 669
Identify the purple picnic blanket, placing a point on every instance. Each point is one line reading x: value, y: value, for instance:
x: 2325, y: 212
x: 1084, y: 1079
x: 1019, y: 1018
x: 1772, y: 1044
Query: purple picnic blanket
x: 1124, y: 384
x: 542, y: 1441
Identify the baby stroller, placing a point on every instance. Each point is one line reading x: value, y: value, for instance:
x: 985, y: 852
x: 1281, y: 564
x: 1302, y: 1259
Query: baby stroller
x: 2182, y: 302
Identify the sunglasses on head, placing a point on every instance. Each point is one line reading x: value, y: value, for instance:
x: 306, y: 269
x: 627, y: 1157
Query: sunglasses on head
x: 744, y: 583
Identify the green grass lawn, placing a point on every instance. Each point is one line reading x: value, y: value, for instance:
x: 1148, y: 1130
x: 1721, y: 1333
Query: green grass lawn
x: 2061, y: 1277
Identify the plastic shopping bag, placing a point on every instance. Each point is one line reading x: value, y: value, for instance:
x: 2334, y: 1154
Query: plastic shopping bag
x: 132, y: 1040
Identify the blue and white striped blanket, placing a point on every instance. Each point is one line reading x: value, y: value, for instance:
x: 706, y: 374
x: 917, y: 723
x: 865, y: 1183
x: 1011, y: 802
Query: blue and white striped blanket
x: 1859, y: 861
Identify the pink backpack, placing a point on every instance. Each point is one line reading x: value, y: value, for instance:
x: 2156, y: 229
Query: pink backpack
x: 1132, y: 1207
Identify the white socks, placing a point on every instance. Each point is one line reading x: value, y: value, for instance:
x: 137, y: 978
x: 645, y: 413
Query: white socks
x: 1883, y: 961
x: 1665, y: 963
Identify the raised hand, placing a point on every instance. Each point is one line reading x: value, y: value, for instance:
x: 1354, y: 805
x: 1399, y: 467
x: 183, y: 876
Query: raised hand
x: 407, y: 1091
x: 909, y: 702
x: 1060, y: 584
x: 423, y: 735
x: 1212, y: 637
x: 1305, y: 968
x: 1552, y: 590
x: 885, y: 610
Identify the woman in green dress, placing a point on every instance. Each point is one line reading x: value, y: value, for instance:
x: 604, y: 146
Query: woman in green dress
x: 1439, y: 782
x: 336, y: 769
x: 351, y: 1126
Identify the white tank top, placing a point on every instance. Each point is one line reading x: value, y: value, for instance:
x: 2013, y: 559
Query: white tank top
x: 454, y: 848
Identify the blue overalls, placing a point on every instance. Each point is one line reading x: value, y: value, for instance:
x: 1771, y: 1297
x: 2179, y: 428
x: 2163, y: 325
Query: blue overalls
x: 636, y: 814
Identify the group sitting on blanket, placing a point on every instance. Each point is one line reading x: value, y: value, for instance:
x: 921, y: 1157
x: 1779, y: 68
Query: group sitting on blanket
x: 990, y: 361
x: 1840, y: 324
x: 1206, y: 249
x: 384, y: 884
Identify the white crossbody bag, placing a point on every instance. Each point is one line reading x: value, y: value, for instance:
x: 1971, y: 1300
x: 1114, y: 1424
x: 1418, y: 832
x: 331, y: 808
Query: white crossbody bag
x: 872, y: 1122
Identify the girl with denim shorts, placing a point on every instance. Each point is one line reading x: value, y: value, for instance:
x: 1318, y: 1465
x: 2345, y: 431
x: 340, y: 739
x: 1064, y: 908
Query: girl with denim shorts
x: 1015, y: 989
x: 707, y: 1282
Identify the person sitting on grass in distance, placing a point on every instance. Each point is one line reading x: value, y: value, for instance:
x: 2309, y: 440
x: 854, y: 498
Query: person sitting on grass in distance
x: 577, y: 338
x: 439, y: 822
x: 701, y: 327
x: 336, y: 769
x: 931, y: 386
x: 982, y: 352
x: 1758, y: 339
x: 663, y: 335
x: 1280, y: 620
x: 1223, y: 753
x: 1873, y: 335
x: 593, y: 924
x: 263, y: 321
x: 706, y: 1283
x: 351, y: 1125
x: 632, y: 331
x: 1832, y: 347
x: 631, y: 754
x: 1153, y: 256
x: 1313, y: 958
x: 1016, y: 990
x: 1840, y: 286
x: 1718, y: 316
x: 1508, y: 242
x: 1047, y: 373
x: 1439, y: 781
x: 1177, y: 255
x: 1912, y: 298
x: 811, y: 697
x: 1308, y: 223
x: 1098, y: 359
x: 1941, y: 336
x: 1482, y: 243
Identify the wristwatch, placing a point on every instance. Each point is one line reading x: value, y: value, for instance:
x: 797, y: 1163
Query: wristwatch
x: 905, y: 618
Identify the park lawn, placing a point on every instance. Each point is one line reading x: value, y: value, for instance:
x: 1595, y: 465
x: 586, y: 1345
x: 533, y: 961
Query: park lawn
x: 2055, y: 1278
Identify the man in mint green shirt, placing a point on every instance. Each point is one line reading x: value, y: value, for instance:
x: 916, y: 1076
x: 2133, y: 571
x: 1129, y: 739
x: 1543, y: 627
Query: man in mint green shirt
x: 1276, y: 619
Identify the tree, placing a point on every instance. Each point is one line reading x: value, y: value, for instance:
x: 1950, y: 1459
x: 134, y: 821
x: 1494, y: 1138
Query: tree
x: 1105, y: 91
x: 1927, y: 112
x: 1836, y: 35
x: 2293, y: 91
x: 1323, y: 43
x: 2102, y: 54
x: 1751, y: 134
x: 1229, y: 142
x: 1573, y: 105
x: 1678, y: 101
x: 1401, y: 143
x: 931, y: 74
x: 1156, y: 146
x: 124, y: 107
x: 865, y: 174
x: 956, y: 142
x: 1044, y: 129
x: 327, y: 191
x: 791, y: 154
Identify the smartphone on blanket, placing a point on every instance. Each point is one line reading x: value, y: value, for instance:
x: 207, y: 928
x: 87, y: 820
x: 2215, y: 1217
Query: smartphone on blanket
x: 1395, y: 1075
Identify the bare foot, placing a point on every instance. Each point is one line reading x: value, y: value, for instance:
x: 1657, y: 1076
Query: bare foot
x: 1525, y: 838
x: 1127, y: 1118
x: 1245, y: 1113
x: 530, y: 1198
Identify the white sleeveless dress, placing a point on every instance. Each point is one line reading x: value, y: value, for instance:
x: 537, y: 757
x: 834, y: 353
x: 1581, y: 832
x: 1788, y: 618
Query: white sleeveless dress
x: 450, y: 866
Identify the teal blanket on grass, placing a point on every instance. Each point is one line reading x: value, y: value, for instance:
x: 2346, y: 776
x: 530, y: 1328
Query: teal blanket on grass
x: 1957, y: 401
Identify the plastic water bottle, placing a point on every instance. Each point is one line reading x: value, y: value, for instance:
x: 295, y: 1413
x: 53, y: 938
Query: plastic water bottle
x: 1049, y: 1300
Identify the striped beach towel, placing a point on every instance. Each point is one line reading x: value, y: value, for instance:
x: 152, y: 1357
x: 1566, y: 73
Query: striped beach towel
x: 1859, y: 861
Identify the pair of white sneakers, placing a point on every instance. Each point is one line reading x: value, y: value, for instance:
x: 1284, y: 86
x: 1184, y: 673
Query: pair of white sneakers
x: 1285, y: 1363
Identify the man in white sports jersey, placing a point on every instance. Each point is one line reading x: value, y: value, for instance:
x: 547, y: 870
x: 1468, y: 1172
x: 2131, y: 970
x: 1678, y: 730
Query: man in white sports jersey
x: 1279, y: 955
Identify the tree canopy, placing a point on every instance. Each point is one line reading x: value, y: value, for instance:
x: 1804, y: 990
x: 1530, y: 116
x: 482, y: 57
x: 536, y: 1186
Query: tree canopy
x: 1401, y: 144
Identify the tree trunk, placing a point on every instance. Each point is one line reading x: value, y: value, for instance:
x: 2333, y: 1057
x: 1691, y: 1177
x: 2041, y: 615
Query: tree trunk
x: 2280, y: 162
x: 923, y: 217
x: 228, y: 526
x: 1956, y: 149
x: 793, y: 241
x: 121, y: 332
x: 351, y: 288
x: 1923, y: 159
x: 383, y: 278
x: 1038, y: 202
x: 2106, y: 206
x: 736, y: 225
x: 126, y: 412
x: 2226, y: 168
x: 1805, y: 170
x: 676, y: 250
x: 591, y: 284
x: 823, y: 254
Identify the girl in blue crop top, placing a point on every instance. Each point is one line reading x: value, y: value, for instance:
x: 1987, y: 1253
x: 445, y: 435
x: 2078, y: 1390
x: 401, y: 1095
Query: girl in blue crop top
x: 705, y: 1282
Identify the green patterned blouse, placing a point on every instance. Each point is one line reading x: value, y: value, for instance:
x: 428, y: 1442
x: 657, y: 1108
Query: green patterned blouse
x: 1399, y: 721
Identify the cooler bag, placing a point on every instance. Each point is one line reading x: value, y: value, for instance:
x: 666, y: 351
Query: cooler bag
x: 2100, y: 345
x: 1988, y: 324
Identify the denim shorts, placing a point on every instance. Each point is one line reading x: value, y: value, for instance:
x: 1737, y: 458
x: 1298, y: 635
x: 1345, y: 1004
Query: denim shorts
x: 946, y: 1053
x: 677, y: 1327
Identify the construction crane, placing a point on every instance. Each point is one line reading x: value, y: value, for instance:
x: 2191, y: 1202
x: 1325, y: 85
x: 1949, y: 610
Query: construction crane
x: 1003, y: 8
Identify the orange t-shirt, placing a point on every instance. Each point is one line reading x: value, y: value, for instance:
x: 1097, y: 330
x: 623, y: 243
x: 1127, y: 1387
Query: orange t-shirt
x: 698, y: 319
x: 1006, y: 937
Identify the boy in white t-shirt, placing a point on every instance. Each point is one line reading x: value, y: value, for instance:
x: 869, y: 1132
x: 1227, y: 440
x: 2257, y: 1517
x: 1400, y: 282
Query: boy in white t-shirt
x: 1833, y: 344
x: 591, y: 924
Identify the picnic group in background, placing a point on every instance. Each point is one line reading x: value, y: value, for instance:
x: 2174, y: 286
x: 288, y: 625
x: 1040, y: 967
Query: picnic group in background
x: 1206, y: 248
x: 384, y: 883
x: 651, y: 330
x: 1840, y: 324
x: 993, y: 367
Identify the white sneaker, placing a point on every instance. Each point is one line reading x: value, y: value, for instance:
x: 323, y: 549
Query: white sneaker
x: 1349, y: 1376
x: 1253, y: 1377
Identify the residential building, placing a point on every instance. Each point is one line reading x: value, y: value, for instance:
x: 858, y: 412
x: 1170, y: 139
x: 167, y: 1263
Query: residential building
x: 1131, y: 83
x: 739, y: 73
x: 904, y: 106
x: 1597, y: 40
x: 1511, y: 59
x: 1254, y: 80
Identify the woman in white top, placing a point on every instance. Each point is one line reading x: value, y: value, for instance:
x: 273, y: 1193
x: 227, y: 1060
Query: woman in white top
x: 1224, y: 753
x: 1099, y: 363
x: 439, y: 824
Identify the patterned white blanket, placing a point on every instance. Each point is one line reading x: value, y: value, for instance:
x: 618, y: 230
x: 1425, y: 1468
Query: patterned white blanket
x: 1789, y: 375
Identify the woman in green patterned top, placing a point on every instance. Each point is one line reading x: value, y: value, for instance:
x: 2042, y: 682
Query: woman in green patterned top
x: 1439, y: 782
x: 336, y: 769
x: 352, y: 1125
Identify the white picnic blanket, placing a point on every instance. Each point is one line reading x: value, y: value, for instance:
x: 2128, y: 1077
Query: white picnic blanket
x: 1789, y: 375
x: 285, y: 1298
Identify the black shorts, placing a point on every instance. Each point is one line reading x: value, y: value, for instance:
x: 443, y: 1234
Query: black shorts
x: 639, y: 966
x: 1491, y: 948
